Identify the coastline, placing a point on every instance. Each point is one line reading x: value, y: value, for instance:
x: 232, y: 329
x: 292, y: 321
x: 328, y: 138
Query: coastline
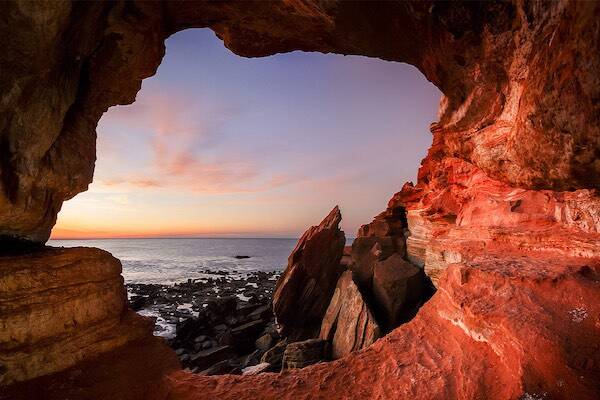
x: 219, y: 323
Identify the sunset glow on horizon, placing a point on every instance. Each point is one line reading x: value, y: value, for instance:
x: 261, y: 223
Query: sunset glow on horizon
x: 217, y: 145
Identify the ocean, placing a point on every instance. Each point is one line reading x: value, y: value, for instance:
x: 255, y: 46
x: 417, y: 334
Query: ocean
x: 169, y: 261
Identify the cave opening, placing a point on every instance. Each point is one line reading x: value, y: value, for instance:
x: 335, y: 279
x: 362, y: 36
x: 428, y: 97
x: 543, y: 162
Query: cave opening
x: 219, y: 147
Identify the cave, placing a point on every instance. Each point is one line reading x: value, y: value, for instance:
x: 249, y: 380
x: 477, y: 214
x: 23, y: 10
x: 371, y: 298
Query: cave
x: 504, y: 217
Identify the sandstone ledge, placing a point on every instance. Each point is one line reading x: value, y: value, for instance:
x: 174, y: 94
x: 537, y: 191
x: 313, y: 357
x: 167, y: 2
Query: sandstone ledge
x: 60, y: 306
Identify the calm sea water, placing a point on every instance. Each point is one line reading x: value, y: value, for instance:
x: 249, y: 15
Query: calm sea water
x: 169, y: 261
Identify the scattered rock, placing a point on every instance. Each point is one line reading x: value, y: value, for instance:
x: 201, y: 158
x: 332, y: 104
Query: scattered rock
x: 252, y: 358
x: 256, y: 369
x: 229, y: 366
x: 274, y: 356
x: 136, y: 303
x: 265, y: 342
x: 245, y: 335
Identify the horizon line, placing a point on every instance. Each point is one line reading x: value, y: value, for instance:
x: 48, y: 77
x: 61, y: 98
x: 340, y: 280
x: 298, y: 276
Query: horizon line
x: 180, y: 237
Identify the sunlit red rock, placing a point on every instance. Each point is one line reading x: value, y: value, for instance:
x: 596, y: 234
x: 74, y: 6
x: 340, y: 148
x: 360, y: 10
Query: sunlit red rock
x: 504, y: 217
x: 464, y: 343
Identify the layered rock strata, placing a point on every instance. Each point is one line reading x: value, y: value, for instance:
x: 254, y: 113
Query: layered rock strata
x: 456, y: 209
x: 504, y: 216
x: 519, y: 81
x: 59, y: 307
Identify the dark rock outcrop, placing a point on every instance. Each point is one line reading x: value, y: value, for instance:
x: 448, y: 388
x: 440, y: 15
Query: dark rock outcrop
x: 504, y: 217
x: 305, y: 288
x: 398, y: 288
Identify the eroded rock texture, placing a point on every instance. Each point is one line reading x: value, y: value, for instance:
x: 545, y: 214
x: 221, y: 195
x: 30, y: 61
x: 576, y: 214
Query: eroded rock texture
x: 60, y: 306
x: 504, y: 217
x: 520, y: 81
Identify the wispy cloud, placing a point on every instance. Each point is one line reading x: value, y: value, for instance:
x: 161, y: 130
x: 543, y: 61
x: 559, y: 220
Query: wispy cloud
x: 181, y: 136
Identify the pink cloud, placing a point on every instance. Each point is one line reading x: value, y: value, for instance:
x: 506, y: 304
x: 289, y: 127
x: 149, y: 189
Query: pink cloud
x: 179, y: 136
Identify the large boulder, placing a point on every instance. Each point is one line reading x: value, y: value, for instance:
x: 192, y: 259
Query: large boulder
x: 305, y: 288
x: 398, y: 288
x: 348, y: 323
x: 305, y: 353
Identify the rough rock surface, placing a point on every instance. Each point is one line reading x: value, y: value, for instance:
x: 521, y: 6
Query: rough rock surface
x: 393, y: 286
x: 348, y: 323
x: 60, y: 306
x: 532, y: 344
x: 456, y: 208
x: 305, y: 288
x: 504, y: 217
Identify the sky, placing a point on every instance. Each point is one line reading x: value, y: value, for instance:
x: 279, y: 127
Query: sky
x: 217, y: 145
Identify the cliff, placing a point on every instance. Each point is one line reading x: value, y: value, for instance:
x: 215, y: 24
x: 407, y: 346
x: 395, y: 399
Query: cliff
x: 504, y: 217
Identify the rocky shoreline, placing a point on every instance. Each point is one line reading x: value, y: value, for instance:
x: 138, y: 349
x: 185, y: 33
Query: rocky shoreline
x: 221, y: 323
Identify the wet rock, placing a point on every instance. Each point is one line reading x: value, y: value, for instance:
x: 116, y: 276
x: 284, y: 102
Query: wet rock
x: 265, y: 342
x: 231, y: 367
x: 348, y: 324
x: 252, y: 358
x: 136, y: 303
x: 241, y: 257
x: 304, y: 289
x: 305, y: 353
x: 261, y: 312
x: 200, y: 339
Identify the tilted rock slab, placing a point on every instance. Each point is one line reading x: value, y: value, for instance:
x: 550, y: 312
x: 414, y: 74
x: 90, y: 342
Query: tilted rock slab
x: 304, y: 290
x: 348, y: 323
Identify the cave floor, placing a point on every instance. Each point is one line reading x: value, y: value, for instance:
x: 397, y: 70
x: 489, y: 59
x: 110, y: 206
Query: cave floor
x: 133, y: 371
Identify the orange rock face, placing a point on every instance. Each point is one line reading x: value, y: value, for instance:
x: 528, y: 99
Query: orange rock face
x: 519, y: 81
x: 504, y: 217
x: 463, y: 344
